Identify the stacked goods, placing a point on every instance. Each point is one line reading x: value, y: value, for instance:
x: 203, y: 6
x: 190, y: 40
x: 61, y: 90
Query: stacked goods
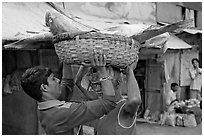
x: 74, y: 46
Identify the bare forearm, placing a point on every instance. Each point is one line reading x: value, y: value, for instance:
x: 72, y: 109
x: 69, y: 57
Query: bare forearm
x: 86, y: 93
x: 133, y: 90
x: 81, y: 72
x: 194, y: 74
x: 107, y: 86
x: 67, y: 71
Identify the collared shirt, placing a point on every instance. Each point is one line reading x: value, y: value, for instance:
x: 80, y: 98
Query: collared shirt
x: 51, y: 103
x: 171, y: 96
x: 60, y: 117
x: 66, y: 86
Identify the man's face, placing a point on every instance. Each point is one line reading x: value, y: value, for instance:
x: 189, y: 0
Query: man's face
x: 53, y: 86
x: 175, y: 89
x: 115, y: 77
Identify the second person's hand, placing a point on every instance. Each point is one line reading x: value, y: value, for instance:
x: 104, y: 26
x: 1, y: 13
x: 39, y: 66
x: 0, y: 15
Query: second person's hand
x: 98, y: 60
x: 134, y: 64
x: 131, y: 67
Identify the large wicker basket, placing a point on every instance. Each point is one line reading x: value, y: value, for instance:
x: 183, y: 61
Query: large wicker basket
x: 75, y: 48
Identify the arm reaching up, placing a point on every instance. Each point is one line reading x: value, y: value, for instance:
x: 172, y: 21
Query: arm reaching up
x: 81, y: 72
x: 99, y: 62
x: 67, y: 82
x: 134, y: 98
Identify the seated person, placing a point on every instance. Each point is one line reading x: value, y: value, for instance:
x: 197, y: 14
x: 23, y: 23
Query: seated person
x: 172, y: 99
x: 173, y: 94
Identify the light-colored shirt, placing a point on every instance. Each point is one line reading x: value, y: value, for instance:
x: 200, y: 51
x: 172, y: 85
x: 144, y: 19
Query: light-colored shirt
x: 196, y: 79
x: 170, y: 97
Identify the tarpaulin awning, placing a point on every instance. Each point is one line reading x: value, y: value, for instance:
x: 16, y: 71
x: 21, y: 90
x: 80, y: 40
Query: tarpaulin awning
x: 23, y: 20
x: 192, y: 31
x: 175, y: 43
x: 166, y: 41
x: 133, y: 12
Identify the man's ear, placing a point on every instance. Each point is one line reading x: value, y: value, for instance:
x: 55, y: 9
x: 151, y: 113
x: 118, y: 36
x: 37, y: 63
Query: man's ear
x: 43, y: 87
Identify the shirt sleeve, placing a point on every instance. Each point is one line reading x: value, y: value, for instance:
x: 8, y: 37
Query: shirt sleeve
x: 81, y: 113
x: 200, y: 70
x: 192, y: 74
x: 66, y: 86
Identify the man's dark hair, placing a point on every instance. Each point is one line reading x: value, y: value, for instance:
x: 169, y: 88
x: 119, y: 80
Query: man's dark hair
x: 32, y: 79
x: 194, y: 60
x: 174, y: 85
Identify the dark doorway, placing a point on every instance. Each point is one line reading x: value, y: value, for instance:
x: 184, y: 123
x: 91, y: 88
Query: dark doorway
x: 140, y: 74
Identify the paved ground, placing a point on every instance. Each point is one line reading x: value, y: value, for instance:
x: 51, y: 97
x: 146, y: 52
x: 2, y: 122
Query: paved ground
x: 144, y: 128
x: 156, y: 129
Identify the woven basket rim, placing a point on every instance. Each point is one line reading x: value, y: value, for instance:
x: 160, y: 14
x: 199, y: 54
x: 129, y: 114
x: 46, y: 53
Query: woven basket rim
x: 90, y: 35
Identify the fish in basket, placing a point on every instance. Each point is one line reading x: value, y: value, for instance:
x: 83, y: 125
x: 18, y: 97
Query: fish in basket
x: 74, y: 46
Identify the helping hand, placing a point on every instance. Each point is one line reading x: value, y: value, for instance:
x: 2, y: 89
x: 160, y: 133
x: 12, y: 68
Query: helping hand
x: 98, y: 60
x: 132, y: 66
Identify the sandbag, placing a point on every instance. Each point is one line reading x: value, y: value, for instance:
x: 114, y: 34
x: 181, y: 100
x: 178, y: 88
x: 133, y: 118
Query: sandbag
x: 179, y: 120
x: 171, y: 120
x: 189, y: 120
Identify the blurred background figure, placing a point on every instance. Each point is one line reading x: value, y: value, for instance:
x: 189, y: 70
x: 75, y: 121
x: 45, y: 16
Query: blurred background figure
x: 196, y: 80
